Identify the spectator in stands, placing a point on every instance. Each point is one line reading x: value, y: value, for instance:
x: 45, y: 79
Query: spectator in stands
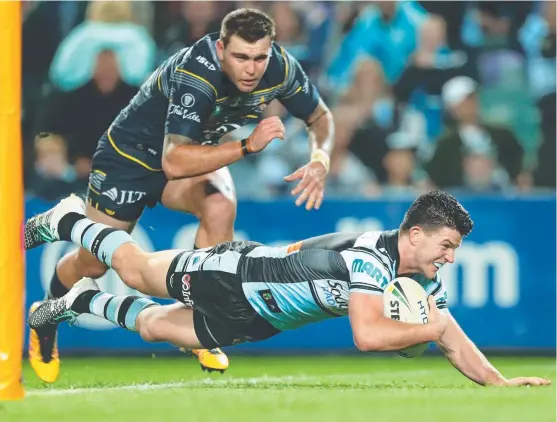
x: 53, y: 176
x: 489, y: 24
x: 304, y: 29
x: 372, y: 56
x: 81, y: 116
x: 417, y: 95
x: 196, y: 19
x: 418, y: 92
x: 404, y: 177
x: 109, y: 25
x: 538, y: 38
x: 481, y: 172
x: 469, y: 133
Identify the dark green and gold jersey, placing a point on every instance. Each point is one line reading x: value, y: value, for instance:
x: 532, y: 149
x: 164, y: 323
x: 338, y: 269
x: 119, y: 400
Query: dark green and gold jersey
x: 190, y: 95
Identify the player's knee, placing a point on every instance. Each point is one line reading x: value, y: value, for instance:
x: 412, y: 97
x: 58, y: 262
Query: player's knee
x: 87, y: 265
x: 131, y: 276
x: 149, y: 323
x: 220, y: 211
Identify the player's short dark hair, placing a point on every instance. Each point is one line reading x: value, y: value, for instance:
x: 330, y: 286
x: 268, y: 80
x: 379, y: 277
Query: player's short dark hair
x: 435, y: 210
x: 249, y: 24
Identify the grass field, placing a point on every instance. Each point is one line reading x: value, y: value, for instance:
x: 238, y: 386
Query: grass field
x: 269, y: 389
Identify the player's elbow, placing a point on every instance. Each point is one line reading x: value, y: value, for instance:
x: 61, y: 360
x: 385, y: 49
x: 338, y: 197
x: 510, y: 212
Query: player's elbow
x: 367, y: 343
x: 373, y: 339
x: 175, y: 168
x: 171, y: 170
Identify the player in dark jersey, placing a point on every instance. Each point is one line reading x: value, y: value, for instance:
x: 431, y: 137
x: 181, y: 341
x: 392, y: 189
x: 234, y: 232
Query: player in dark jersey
x: 163, y: 147
x: 245, y: 291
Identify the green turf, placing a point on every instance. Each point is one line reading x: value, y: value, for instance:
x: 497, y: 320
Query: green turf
x: 265, y: 389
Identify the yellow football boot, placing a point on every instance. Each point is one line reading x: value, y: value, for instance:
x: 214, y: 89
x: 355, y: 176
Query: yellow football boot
x: 211, y: 360
x: 43, y: 351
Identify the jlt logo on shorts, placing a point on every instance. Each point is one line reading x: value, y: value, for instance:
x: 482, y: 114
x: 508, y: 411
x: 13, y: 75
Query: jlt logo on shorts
x: 124, y: 196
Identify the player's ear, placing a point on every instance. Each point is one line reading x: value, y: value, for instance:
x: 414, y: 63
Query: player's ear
x: 415, y: 233
x: 220, y: 49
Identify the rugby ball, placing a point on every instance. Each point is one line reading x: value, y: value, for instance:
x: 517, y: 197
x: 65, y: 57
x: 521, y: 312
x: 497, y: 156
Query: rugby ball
x: 405, y: 300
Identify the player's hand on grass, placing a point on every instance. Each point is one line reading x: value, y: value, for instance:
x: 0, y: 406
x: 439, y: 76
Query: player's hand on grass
x: 267, y: 130
x: 436, y: 319
x: 526, y: 381
x: 312, y: 185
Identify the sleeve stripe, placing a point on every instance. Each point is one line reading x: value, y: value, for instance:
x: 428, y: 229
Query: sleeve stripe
x: 369, y: 292
x: 365, y: 287
x: 200, y: 78
x: 285, y: 65
x: 379, y: 257
x: 194, y: 83
x: 437, y: 289
x: 263, y: 91
x: 290, y: 93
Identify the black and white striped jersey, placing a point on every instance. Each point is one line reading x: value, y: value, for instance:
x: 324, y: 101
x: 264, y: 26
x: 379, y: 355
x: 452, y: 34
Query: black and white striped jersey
x: 310, y: 280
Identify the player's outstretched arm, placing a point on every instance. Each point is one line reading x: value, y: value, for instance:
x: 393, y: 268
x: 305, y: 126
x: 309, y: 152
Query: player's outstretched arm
x: 183, y: 157
x: 321, y: 134
x: 373, y: 332
x: 467, y: 358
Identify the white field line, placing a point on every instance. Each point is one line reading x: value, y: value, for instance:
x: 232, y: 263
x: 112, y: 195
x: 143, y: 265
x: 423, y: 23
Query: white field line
x: 323, y: 379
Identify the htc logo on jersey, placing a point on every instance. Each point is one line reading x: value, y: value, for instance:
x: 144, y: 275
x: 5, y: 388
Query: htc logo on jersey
x: 124, y: 196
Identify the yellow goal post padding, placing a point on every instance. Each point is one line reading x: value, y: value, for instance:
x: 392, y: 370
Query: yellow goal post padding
x: 12, y: 287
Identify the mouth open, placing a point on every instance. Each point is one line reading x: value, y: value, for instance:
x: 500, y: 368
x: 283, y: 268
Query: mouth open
x: 438, y: 265
x: 248, y: 82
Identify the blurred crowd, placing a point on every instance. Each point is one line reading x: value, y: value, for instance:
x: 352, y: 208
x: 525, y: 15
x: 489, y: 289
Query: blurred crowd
x: 455, y: 95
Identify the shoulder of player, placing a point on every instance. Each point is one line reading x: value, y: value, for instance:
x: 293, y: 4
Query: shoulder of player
x: 279, y: 64
x: 201, y: 63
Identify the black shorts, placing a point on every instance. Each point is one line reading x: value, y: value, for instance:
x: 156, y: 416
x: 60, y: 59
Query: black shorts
x: 124, y: 180
x: 222, y: 314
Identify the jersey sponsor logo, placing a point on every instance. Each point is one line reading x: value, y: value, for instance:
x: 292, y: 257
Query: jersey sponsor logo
x: 270, y: 301
x: 96, y: 179
x: 124, y: 196
x: 205, y: 63
x: 332, y: 295
x: 361, y: 266
x: 186, y: 290
x: 183, y: 113
x: 211, y: 136
x: 187, y: 100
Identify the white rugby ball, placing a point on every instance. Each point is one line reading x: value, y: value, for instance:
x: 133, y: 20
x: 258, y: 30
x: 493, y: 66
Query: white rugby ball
x: 405, y: 300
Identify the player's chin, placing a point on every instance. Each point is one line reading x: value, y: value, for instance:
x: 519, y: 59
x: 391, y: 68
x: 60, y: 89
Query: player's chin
x: 247, y: 85
x: 430, y: 271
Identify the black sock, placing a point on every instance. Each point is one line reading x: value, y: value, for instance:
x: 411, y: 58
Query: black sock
x: 195, y: 247
x: 66, y: 225
x: 81, y: 303
x: 56, y: 289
